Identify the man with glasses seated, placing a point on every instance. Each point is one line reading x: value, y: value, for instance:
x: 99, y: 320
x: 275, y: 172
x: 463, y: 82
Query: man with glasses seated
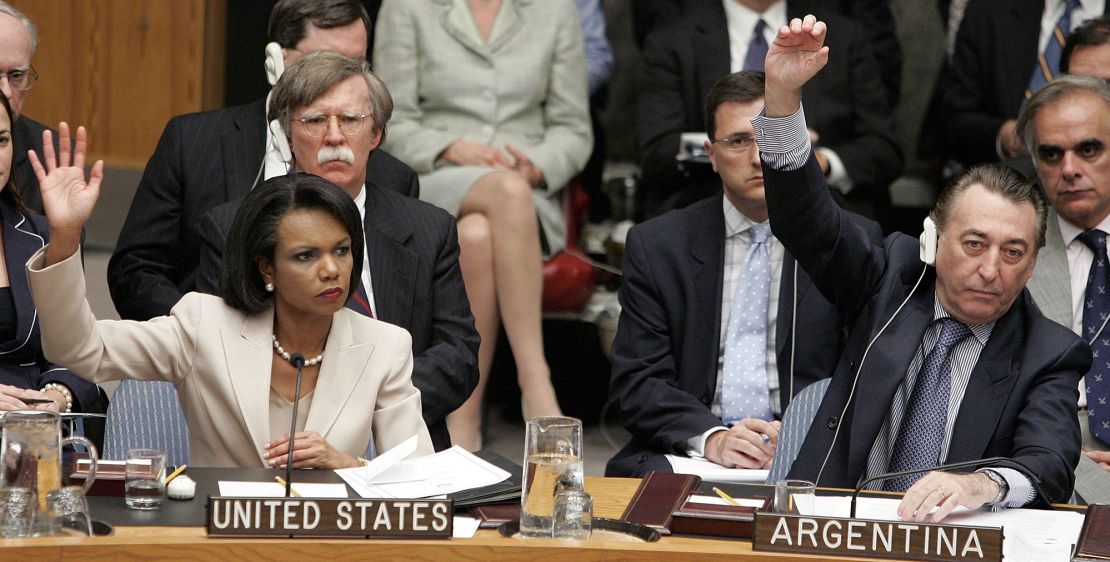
x: 709, y: 352
x: 18, y: 40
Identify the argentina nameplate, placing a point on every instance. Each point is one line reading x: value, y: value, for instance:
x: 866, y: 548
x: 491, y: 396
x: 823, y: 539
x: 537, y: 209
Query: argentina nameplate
x: 906, y: 540
x: 319, y: 517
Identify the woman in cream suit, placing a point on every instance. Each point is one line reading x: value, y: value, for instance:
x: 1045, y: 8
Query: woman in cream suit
x: 291, y: 255
x: 491, y: 110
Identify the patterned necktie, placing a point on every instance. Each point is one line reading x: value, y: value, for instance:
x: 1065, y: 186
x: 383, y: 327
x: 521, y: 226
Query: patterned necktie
x: 744, y: 385
x: 1048, y: 63
x: 359, y: 302
x: 757, y: 48
x: 922, y: 431
x: 1096, y: 306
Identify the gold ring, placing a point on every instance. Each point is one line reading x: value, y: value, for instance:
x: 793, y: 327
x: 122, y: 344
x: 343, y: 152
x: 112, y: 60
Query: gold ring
x: 941, y: 492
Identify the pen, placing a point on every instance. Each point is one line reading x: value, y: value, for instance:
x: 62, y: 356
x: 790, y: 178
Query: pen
x: 292, y: 490
x: 725, y: 496
x: 176, y: 473
x: 37, y: 400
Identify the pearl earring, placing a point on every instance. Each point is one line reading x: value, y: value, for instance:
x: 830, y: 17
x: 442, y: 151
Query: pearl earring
x: 270, y: 287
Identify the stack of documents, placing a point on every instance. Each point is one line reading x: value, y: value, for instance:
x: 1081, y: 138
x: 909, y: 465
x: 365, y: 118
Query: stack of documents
x: 446, y: 472
x: 713, y: 472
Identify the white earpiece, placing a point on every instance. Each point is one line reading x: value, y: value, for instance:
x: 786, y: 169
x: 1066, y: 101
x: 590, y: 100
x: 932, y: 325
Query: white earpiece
x: 281, y: 143
x: 928, y: 242
x: 275, y: 62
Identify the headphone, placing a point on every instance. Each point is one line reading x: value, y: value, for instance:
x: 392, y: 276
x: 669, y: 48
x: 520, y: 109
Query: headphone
x: 275, y: 62
x: 275, y: 67
x: 928, y: 242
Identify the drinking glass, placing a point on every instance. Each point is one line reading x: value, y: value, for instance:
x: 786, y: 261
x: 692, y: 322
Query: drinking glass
x: 69, y: 508
x: 573, y: 519
x: 145, y: 487
x: 552, y: 464
x: 794, y: 497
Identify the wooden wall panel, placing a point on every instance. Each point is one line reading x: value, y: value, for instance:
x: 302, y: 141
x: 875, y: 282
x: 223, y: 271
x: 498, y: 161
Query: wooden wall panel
x: 125, y: 67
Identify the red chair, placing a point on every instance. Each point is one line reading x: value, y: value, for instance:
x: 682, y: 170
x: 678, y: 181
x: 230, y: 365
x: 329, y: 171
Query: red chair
x: 568, y: 278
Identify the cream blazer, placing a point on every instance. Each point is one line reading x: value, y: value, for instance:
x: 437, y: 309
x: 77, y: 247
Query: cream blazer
x: 219, y: 360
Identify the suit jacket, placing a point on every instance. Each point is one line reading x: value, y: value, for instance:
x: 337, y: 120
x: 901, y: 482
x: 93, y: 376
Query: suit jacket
x: 22, y: 363
x: 1050, y: 284
x: 667, y: 346
x: 219, y: 359
x: 1020, y: 399
x: 27, y: 135
x: 846, y: 103
x: 202, y: 160
x: 413, y: 251
x: 525, y: 86
x: 996, y: 51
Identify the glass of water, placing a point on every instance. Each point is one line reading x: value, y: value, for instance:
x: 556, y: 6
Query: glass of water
x: 17, y: 511
x: 145, y: 487
x: 574, y: 514
x: 552, y: 465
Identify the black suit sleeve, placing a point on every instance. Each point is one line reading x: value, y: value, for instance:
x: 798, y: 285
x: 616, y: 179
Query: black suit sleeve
x: 446, y: 371
x: 144, y: 274
x: 213, y: 236
x: 645, y: 379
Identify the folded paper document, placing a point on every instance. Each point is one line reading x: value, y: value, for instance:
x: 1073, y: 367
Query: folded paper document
x: 445, y: 472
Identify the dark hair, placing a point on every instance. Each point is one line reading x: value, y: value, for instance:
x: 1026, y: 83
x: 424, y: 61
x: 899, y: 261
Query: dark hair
x: 254, y: 235
x: 1093, y: 32
x: 1000, y: 180
x: 1063, y: 87
x: 11, y: 190
x: 741, y: 87
x: 310, y: 76
x: 289, y: 18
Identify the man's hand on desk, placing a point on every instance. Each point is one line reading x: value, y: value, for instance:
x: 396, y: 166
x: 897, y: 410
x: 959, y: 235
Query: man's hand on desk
x: 1101, y: 457
x: 743, y: 445
x: 946, y: 492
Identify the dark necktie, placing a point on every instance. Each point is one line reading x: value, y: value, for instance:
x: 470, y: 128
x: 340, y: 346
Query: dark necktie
x: 922, y: 432
x: 1096, y: 306
x: 1048, y: 63
x: 359, y: 302
x: 757, y: 48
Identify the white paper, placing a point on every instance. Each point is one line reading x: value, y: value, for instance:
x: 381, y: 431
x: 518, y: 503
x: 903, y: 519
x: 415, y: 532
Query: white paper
x: 384, y: 461
x: 465, y: 527
x: 1029, y: 534
x: 445, y: 472
x: 274, y: 490
x: 713, y: 472
x: 714, y: 500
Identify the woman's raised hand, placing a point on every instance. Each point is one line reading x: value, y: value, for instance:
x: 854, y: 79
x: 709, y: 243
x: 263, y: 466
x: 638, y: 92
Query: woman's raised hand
x: 67, y: 196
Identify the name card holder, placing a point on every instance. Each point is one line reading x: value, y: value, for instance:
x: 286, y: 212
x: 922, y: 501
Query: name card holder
x: 841, y: 536
x: 329, y: 517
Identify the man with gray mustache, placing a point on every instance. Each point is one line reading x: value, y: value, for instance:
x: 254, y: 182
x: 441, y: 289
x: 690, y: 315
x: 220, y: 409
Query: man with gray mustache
x: 333, y: 113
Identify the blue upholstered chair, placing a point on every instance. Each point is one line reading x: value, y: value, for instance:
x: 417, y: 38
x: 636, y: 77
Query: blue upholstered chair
x: 795, y: 424
x: 145, y: 414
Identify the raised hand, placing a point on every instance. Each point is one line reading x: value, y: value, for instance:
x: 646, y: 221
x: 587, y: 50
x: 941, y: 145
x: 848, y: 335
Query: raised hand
x: 796, y: 55
x: 67, y: 196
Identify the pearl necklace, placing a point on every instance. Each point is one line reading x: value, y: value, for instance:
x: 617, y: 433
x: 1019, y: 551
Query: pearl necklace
x: 285, y: 354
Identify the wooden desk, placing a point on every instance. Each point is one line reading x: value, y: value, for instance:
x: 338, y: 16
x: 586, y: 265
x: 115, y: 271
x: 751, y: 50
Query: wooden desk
x: 611, y: 495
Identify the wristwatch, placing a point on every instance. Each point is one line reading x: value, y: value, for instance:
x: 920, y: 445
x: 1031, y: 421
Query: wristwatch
x: 1003, y: 486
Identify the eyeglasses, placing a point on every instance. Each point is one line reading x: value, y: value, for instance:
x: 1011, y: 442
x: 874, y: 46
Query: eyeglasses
x: 738, y: 143
x: 317, y: 125
x: 21, y: 78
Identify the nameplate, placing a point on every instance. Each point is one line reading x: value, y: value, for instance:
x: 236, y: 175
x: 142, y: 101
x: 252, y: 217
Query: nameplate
x: 880, y: 539
x: 308, y: 517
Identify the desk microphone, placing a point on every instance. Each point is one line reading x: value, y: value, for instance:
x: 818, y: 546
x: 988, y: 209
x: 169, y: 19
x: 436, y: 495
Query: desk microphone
x: 297, y: 359
x: 997, y: 461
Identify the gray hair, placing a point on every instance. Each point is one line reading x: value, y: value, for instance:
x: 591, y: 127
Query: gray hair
x: 28, y: 25
x: 308, y: 77
x: 1001, y: 180
x: 1053, y: 92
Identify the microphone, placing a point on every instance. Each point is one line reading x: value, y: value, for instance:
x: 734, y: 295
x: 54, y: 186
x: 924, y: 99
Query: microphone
x: 297, y: 359
x: 1002, y: 461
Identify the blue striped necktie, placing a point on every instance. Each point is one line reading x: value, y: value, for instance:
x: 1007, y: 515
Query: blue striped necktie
x: 1048, y: 63
x: 1096, y: 305
x: 922, y: 432
x: 757, y: 48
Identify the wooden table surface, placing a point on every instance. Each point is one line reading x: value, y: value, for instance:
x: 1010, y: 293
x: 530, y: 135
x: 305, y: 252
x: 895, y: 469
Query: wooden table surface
x: 610, y: 495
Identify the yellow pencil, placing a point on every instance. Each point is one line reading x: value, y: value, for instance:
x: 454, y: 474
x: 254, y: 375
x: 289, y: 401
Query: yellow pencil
x: 176, y: 473
x: 725, y: 496
x: 292, y: 490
